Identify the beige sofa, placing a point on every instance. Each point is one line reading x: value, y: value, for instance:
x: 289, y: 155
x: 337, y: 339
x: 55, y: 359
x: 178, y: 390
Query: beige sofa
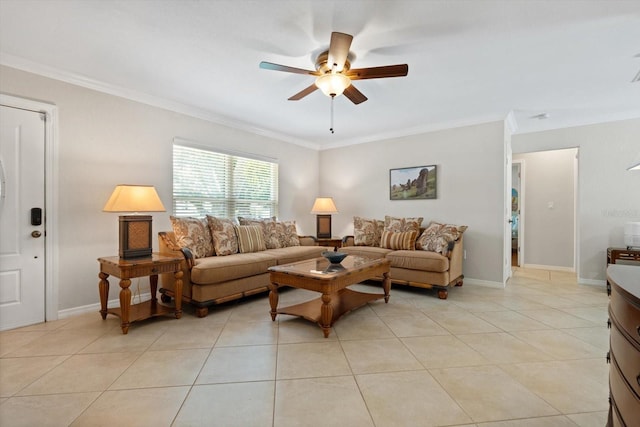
x: 216, y: 279
x: 418, y: 266
x: 218, y: 269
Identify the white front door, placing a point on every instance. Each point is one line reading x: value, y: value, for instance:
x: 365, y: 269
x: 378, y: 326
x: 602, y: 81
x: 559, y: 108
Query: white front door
x: 22, y: 217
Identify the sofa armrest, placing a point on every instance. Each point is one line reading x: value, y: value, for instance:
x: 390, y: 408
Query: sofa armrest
x: 348, y: 241
x: 188, y: 256
x: 167, y: 245
x: 308, y: 240
x: 456, y: 255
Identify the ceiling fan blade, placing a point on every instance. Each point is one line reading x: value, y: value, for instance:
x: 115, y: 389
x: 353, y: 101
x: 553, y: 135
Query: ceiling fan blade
x: 285, y: 68
x: 399, y: 70
x: 354, y: 95
x: 304, y: 92
x: 339, y: 49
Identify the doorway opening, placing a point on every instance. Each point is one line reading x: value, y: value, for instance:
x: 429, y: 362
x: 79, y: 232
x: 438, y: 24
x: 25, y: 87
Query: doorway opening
x: 517, y: 199
x: 548, y: 202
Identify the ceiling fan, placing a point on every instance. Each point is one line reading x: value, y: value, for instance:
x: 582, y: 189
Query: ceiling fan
x: 334, y: 74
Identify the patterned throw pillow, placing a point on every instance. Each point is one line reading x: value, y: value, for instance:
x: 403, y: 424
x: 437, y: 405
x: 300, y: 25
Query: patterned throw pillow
x: 268, y: 227
x: 399, y: 240
x: 367, y: 232
x: 436, y: 237
x: 455, y: 231
x: 193, y: 233
x: 428, y: 236
x: 402, y: 224
x: 287, y: 233
x: 224, y: 237
x: 250, y: 238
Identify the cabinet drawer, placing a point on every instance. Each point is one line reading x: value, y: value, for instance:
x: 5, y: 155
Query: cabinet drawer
x: 625, y: 399
x: 626, y: 314
x: 627, y: 357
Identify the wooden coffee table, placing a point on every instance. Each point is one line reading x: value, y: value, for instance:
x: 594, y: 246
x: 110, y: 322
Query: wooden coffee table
x: 331, y: 280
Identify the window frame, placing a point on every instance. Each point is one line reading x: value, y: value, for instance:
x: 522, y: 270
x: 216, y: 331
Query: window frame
x: 229, y: 206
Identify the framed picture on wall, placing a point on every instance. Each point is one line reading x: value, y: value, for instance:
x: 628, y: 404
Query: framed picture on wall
x: 414, y: 183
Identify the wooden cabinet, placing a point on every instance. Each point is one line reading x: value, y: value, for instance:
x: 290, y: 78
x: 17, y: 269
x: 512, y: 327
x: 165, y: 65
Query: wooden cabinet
x: 624, y: 371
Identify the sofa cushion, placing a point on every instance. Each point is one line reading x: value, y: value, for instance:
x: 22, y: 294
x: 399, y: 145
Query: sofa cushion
x: 455, y: 231
x: 367, y: 232
x: 297, y: 253
x: 366, y: 251
x: 218, y: 269
x: 287, y: 234
x: 437, y: 237
x: 250, y: 238
x: 398, y: 240
x: 419, y: 260
x: 194, y: 234
x: 402, y: 224
x: 268, y: 226
x: 225, y: 241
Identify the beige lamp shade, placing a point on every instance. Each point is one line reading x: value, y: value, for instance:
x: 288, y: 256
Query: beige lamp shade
x: 134, y: 198
x: 324, y: 205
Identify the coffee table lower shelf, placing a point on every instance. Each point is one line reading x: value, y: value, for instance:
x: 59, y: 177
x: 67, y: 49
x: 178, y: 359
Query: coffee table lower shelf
x: 340, y: 304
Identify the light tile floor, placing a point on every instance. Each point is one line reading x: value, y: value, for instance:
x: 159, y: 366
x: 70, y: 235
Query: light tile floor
x: 532, y: 354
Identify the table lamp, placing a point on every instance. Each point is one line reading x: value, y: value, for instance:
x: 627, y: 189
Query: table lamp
x: 135, y: 230
x: 323, y: 207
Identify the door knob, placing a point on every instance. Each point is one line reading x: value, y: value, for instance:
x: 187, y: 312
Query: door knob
x: 36, y: 234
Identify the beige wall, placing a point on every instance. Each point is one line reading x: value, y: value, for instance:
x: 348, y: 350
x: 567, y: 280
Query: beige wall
x: 608, y: 194
x: 471, y: 189
x: 105, y: 140
x: 548, y: 237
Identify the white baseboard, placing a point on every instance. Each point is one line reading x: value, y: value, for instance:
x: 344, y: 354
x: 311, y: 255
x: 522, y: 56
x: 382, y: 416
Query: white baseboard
x: 486, y: 283
x: 550, y: 267
x: 92, y: 308
x: 591, y: 282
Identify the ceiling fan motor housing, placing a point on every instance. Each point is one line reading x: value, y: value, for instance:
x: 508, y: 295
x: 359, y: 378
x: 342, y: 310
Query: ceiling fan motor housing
x: 323, y: 66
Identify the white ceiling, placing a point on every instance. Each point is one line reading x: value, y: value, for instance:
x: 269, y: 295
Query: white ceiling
x: 469, y: 61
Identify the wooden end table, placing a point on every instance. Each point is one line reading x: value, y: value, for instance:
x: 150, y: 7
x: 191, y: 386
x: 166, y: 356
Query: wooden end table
x: 331, y: 280
x: 334, y: 242
x: 126, y: 269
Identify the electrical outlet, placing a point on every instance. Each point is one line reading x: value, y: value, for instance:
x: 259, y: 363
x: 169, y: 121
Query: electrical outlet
x: 464, y: 255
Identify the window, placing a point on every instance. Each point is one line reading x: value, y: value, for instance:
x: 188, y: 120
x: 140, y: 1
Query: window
x: 222, y: 185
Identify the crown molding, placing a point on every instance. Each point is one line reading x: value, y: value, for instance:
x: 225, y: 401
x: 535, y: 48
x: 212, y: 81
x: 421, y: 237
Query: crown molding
x: 417, y: 130
x: 145, y: 98
x: 509, y: 118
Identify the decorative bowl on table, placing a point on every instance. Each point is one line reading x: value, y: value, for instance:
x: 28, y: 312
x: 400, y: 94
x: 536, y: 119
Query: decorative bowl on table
x: 334, y: 257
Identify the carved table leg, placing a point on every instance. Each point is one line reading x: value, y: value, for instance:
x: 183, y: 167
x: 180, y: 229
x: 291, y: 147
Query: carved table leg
x: 125, y: 304
x: 326, y: 314
x: 103, y: 287
x: 273, y: 299
x: 386, y: 285
x: 153, y: 288
x: 178, y: 289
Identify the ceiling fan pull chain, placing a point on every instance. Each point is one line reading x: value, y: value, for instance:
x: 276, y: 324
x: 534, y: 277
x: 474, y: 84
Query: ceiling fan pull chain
x: 331, y: 128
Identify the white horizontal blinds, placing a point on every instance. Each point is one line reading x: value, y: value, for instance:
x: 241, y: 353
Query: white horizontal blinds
x: 222, y: 185
x: 255, y: 187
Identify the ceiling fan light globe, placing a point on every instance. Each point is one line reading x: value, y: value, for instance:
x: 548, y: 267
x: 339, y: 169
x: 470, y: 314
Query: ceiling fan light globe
x: 333, y: 84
